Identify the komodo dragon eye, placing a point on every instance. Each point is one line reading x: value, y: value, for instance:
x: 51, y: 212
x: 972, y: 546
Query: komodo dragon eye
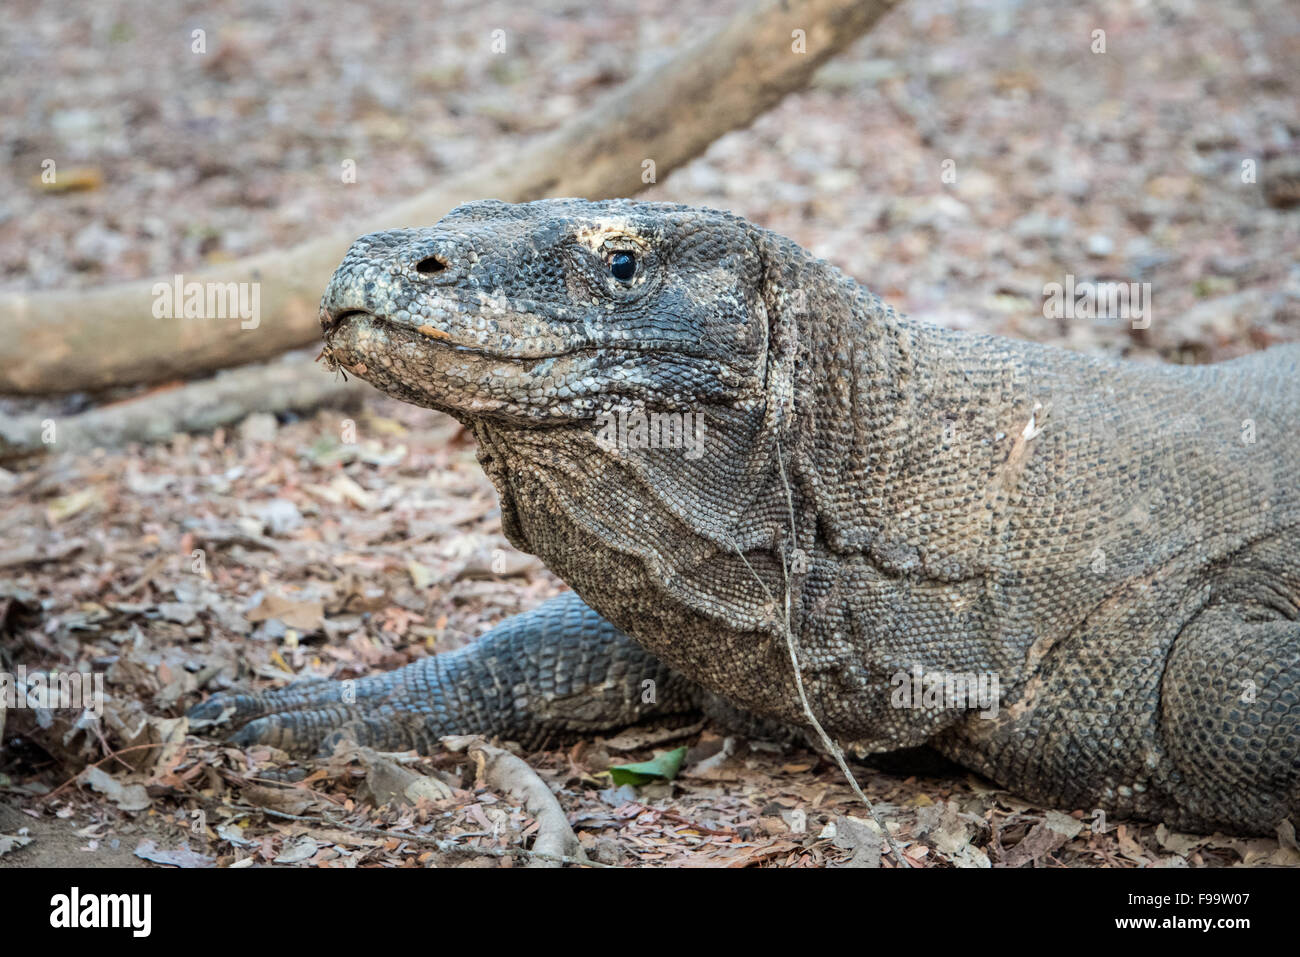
x: 622, y: 266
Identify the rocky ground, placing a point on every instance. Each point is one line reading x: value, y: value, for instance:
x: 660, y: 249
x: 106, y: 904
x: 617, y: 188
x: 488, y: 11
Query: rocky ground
x: 957, y: 160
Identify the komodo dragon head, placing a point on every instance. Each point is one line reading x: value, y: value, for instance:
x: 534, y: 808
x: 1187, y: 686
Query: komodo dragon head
x: 538, y: 325
x: 550, y: 312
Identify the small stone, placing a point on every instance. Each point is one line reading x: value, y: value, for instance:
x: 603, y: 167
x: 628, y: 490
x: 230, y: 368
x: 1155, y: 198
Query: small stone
x: 1100, y: 246
x: 258, y: 427
x: 280, y: 516
x: 176, y: 611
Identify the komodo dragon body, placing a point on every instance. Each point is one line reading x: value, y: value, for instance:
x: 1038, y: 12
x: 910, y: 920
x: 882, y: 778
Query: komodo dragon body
x: 1116, y: 544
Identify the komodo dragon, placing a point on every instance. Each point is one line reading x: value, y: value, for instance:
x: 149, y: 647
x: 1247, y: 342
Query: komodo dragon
x: 1118, y: 544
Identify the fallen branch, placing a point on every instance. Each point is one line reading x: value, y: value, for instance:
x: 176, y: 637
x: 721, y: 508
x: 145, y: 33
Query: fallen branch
x: 295, y: 383
x: 61, y: 341
x: 501, y: 770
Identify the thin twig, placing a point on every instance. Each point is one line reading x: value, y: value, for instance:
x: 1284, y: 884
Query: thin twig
x: 791, y: 645
x: 446, y: 846
x: 108, y: 757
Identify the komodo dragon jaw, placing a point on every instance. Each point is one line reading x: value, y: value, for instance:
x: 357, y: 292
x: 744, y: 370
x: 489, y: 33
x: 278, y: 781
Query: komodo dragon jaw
x: 1112, y: 545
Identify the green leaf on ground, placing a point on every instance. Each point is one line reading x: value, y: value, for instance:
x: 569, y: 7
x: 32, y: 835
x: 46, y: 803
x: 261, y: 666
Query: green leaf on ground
x: 663, y: 766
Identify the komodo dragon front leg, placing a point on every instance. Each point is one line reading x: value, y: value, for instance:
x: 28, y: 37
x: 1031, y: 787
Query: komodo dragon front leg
x: 554, y: 673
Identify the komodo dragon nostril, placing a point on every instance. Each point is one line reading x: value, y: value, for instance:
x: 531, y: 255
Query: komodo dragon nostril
x: 431, y: 264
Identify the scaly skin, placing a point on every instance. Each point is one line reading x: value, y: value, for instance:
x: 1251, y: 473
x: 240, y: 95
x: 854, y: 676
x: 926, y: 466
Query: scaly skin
x: 1116, y: 543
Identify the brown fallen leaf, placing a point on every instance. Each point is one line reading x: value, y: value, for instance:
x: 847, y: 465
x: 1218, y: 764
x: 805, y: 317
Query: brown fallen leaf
x: 129, y: 797
x: 306, y: 616
x: 636, y: 738
x: 11, y: 842
x: 388, y: 782
x: 304, y: 848
x: 1128, y: 845
x: 1044, y: 838
x: 741, y: 857
x: 40, y: 554
x: 66, y: 506
x: 860, y: 836
x: 1261, y: 851
x: 953, y: 832
x: 1177, y: 843
x: 285, y: 800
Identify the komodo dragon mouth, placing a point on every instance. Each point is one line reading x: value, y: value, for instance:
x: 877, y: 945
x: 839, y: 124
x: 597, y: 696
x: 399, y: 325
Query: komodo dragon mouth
x: 364, y: 332
x: 424, y: 364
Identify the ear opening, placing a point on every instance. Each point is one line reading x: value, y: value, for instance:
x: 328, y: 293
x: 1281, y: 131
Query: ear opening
x: 784, y: 301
